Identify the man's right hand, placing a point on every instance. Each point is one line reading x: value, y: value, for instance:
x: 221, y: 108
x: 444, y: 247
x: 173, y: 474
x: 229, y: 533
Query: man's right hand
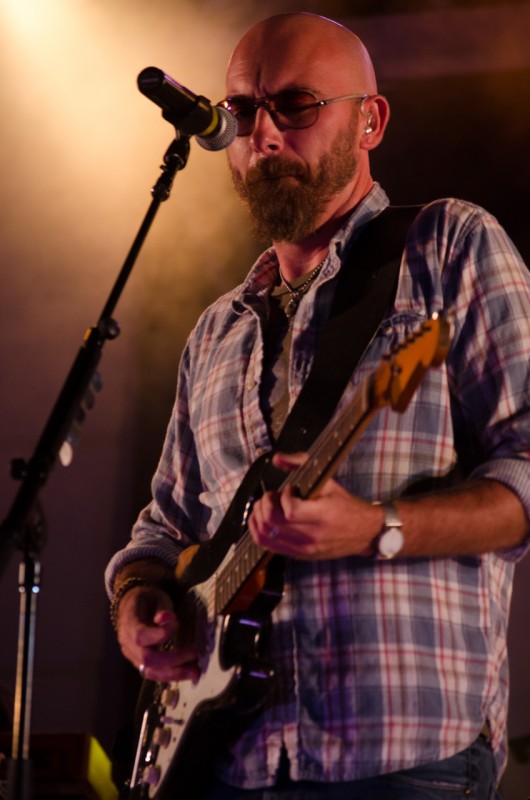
x: 148, y: 633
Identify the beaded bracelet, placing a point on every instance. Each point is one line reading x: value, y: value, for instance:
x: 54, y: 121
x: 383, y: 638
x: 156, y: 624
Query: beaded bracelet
x: 126, y: 586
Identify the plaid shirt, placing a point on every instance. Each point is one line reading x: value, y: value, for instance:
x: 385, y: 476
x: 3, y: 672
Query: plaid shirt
x: 382, y: 665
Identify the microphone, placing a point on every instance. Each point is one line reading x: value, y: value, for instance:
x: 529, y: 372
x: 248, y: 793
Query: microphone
x: 191, y: 114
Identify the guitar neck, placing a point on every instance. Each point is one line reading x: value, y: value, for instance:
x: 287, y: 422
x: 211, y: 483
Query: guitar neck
x: 334, y: 443
x: 392, y: 383
x: 247, y: 560
x: 324, y: 456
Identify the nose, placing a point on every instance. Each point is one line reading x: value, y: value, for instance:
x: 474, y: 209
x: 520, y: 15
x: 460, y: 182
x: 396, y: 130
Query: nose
x: 266, y: 137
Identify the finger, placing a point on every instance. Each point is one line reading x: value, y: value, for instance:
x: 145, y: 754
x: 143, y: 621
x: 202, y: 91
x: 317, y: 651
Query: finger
x: 153, y: 635
x: 136, y: 639
x: 149, y: 611
x: 185, y: 672
x: 173, y: 665
x: 266, y: 519
x: 166, y: 620
x: 268, y: 510
x: 296, y: 509
x: 289, y: 461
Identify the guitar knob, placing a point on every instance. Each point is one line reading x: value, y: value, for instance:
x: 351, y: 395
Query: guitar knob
x: 161, y: 737
x: 151, y: 775
x: 170, y: 697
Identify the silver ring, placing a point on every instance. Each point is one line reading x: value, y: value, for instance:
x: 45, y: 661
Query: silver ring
x: 141, y: 670
x: 274, y: 533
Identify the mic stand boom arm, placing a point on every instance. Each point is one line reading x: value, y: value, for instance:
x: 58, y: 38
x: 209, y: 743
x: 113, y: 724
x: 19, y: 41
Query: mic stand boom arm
x: 24, y: 526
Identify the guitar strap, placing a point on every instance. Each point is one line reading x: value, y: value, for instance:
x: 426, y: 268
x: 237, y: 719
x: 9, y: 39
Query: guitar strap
x: 365, y: 289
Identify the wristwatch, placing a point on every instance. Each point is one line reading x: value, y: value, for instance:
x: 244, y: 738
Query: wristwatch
x: 390, y: 541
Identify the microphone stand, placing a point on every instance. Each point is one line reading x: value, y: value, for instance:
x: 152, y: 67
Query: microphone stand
x: 24, y: 527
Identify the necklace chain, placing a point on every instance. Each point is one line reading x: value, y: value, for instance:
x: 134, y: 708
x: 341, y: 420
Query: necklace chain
x: 296, y: 295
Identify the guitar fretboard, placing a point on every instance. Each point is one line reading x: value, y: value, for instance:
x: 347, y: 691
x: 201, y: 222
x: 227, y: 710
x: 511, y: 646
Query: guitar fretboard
x: 392, y: 383
x: 323, y: 457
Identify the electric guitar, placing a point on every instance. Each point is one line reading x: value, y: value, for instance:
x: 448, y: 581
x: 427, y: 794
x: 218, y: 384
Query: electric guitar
x: 226, y: 588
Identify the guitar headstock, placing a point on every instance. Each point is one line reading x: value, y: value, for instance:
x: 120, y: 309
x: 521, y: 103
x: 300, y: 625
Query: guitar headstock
x: 401, y: 371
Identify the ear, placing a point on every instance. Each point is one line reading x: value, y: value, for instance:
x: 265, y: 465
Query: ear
x: 375, y: 113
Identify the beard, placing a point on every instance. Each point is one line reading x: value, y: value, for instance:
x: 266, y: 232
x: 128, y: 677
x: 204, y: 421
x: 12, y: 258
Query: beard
x: 286, y: 199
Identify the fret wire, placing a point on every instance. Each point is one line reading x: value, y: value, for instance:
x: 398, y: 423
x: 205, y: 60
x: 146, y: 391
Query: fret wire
x: 246, y: 554
x: 223, y: 586
x: 343, y: 426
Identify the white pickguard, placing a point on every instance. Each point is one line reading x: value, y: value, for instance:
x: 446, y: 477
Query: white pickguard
x: 183, y: 700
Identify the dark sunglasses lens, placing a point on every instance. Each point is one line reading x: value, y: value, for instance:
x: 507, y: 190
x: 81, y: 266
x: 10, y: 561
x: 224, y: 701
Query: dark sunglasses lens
x: 296, y: 109
x: 290, y: 109
x: 244, y: 111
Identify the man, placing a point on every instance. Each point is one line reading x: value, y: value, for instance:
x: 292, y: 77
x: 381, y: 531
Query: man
x: 391, y: 674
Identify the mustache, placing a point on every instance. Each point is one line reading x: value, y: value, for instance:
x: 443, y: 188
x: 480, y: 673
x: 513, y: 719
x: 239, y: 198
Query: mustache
x: 270, y: 168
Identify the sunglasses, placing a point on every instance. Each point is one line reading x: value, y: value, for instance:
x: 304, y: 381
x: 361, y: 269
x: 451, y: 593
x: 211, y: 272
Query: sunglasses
x: 292, y: 108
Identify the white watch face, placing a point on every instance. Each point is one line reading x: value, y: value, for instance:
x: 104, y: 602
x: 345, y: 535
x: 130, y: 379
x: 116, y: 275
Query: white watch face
x: 390, y: 542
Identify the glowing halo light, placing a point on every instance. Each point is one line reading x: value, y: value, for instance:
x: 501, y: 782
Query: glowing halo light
x: 81, y: 146
x: 20, y: 12
x: 34, y: 16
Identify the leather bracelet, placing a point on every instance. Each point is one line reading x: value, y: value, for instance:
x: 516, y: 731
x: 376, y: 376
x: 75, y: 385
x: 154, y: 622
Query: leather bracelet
x: 126, y: 586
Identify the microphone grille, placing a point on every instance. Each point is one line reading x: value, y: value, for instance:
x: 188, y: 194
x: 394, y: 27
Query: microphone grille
x: 224, y: 136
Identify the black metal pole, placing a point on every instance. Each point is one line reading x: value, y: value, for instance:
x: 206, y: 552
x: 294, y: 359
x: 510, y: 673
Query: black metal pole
x: 24, y: 526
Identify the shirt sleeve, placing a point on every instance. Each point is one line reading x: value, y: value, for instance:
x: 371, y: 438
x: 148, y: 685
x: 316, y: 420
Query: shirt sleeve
x: 175, y: 517
x: 488, y: 286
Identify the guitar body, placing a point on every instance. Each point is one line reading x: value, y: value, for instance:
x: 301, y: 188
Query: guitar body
x: 181, y: 725
x: 227, y: 587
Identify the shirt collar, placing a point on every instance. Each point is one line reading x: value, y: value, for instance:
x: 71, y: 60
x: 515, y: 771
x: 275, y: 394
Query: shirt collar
x: 264, y: 272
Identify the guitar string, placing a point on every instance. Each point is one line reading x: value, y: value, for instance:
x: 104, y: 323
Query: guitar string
x: 246, y: 552
x: 340, y: 431
x: 245, y: 548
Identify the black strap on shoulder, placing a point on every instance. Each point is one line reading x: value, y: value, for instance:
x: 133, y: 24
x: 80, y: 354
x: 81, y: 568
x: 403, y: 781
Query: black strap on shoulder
x: 365, y: 289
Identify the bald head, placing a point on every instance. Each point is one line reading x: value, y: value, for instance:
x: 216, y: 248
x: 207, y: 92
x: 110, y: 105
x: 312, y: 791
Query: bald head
x: 302, y: 44
x: 314, y: 157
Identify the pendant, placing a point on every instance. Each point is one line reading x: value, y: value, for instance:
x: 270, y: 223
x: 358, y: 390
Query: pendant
x: 292, y: 306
